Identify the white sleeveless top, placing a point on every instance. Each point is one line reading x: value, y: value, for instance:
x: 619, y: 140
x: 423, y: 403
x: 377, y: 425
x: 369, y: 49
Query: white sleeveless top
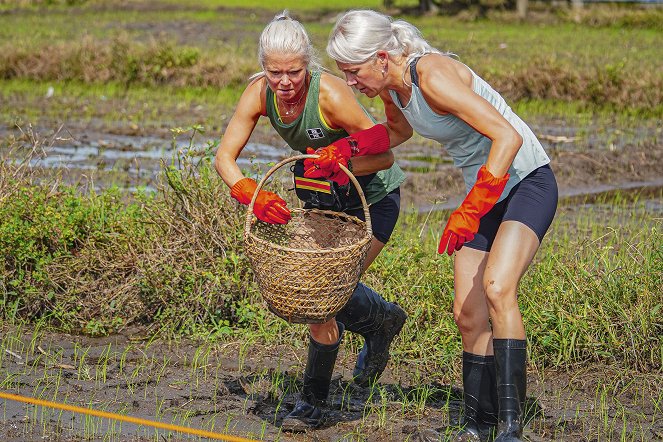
x: 468, y: 147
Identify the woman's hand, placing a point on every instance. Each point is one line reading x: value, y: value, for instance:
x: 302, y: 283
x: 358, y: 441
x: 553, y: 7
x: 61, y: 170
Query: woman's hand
x: 464, y: 221
x: 326, y: 165
x: 371, y: 141
x: 269, y: 207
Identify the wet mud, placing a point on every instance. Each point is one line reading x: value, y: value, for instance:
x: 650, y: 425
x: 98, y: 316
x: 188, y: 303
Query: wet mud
x: 586, y: 160
x: 247, y: 393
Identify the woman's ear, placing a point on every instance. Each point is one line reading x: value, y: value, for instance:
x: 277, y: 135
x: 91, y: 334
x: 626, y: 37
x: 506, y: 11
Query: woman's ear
x: 383, y: 57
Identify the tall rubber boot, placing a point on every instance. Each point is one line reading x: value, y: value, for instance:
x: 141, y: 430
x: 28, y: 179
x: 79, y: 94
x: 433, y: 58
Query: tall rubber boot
x: 480, y: 396
x: 378, y: 321
x: 308, y: 413
x: 510, y: 363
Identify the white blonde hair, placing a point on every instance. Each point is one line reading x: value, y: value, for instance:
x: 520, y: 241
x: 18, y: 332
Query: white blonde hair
x: 359, y: 34
x: 285, y: 35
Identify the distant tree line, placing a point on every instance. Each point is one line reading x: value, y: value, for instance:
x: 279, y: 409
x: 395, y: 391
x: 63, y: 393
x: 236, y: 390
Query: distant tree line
x: 455, y: 6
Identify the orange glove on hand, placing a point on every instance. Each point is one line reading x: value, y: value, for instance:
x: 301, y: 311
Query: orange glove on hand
x: 269, y: 207
x: 332, y: 170
x: 366, y: 142
x: 464, y: 221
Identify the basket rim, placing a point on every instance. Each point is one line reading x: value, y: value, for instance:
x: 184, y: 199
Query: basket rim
x: 360, y: 243
x: 366, y: 237
x: 250, y: 217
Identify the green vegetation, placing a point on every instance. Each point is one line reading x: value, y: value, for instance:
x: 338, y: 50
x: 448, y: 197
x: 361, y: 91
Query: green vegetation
x: 132, y: 260
x: 176, y: 259
x: 613, y: 66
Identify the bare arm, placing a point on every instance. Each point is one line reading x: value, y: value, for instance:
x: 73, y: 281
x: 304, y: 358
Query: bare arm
x: 237, y: 133
x: 341, y: 109
x: 397, y: 125
x: 446, y: 85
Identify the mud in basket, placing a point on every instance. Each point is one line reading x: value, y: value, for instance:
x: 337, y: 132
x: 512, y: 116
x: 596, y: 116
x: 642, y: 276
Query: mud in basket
x: 307, y: 269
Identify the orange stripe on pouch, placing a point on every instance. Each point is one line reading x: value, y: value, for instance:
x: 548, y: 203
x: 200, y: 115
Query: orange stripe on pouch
x: 321, y: 186
x: 314, y: 189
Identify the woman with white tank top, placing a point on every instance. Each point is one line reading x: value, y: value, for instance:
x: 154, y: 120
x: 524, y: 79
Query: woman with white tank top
x: 495, y: 233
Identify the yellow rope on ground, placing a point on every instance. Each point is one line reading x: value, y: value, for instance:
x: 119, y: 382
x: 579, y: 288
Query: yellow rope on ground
x: 119, y: 417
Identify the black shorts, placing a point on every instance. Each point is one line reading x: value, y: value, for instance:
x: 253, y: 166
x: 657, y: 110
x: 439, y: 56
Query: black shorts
x: 533, y: 202
x: 384, y: 215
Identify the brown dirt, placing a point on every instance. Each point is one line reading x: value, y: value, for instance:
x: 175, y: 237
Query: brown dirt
x: 586, y: 159
x: 196, y: 384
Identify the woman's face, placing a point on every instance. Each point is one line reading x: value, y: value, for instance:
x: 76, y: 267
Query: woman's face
x: 286, y: 75
x: 368, y: 77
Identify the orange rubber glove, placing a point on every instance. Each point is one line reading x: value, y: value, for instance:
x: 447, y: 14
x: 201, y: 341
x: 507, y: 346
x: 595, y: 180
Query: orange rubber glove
x: 369, y: 141
x: 269, y: 207
x: 464, y: 221
x: 333, y: 173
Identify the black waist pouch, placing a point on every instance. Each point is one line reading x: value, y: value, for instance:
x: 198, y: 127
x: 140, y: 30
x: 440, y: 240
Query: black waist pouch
x: 327, y: 194
x: 319, y: 192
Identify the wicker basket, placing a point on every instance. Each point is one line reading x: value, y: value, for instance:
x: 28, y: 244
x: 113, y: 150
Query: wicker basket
x: 308, y: 268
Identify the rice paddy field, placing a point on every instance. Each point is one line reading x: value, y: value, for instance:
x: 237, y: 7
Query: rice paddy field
x: 124, y: 286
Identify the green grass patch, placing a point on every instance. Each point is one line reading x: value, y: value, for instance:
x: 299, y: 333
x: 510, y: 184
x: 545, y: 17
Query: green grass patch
x: 145, y: 107
x: 97, y: 262
x: 132, y: 258
x: 612, y: 67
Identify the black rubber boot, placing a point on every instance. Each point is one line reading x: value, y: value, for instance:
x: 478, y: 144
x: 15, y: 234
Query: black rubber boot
x: 510, y: 363
x: 480, y: 395
x: 308, y: 413
x: 378, y: 321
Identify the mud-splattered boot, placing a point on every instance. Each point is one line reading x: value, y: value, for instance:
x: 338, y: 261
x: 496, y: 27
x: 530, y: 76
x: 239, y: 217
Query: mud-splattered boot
x: 308, y: 412
x: 510, y: 364
x: 378, y: 321
x: 480, y: 396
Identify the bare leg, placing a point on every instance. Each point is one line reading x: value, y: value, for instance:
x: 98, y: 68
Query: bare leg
x: 471, y: 316
x: 373, y: 252
x: 470, y: 308
x: 512, y: 252
x: 326, y: 333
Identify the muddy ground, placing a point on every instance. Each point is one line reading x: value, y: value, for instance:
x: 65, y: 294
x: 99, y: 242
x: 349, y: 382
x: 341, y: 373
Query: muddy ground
x: 210, y: 387
x: 586, y: 159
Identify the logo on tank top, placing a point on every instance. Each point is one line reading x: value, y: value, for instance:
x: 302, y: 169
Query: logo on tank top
x: 315, y: 133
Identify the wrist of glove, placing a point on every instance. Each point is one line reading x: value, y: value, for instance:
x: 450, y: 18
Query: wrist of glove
x: 464, y: 222
x: 269, y: 207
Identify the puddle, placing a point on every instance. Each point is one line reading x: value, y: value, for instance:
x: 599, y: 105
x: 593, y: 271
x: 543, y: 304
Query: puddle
x: 135, y: 161
x: 139, y: 158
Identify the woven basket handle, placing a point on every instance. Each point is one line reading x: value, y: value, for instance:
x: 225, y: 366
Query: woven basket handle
x: 249, y: 212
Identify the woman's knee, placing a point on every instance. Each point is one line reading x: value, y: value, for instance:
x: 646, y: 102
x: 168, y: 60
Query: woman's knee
x: 499, y: 294
x: 324, y: 333
x: 470, y: 321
